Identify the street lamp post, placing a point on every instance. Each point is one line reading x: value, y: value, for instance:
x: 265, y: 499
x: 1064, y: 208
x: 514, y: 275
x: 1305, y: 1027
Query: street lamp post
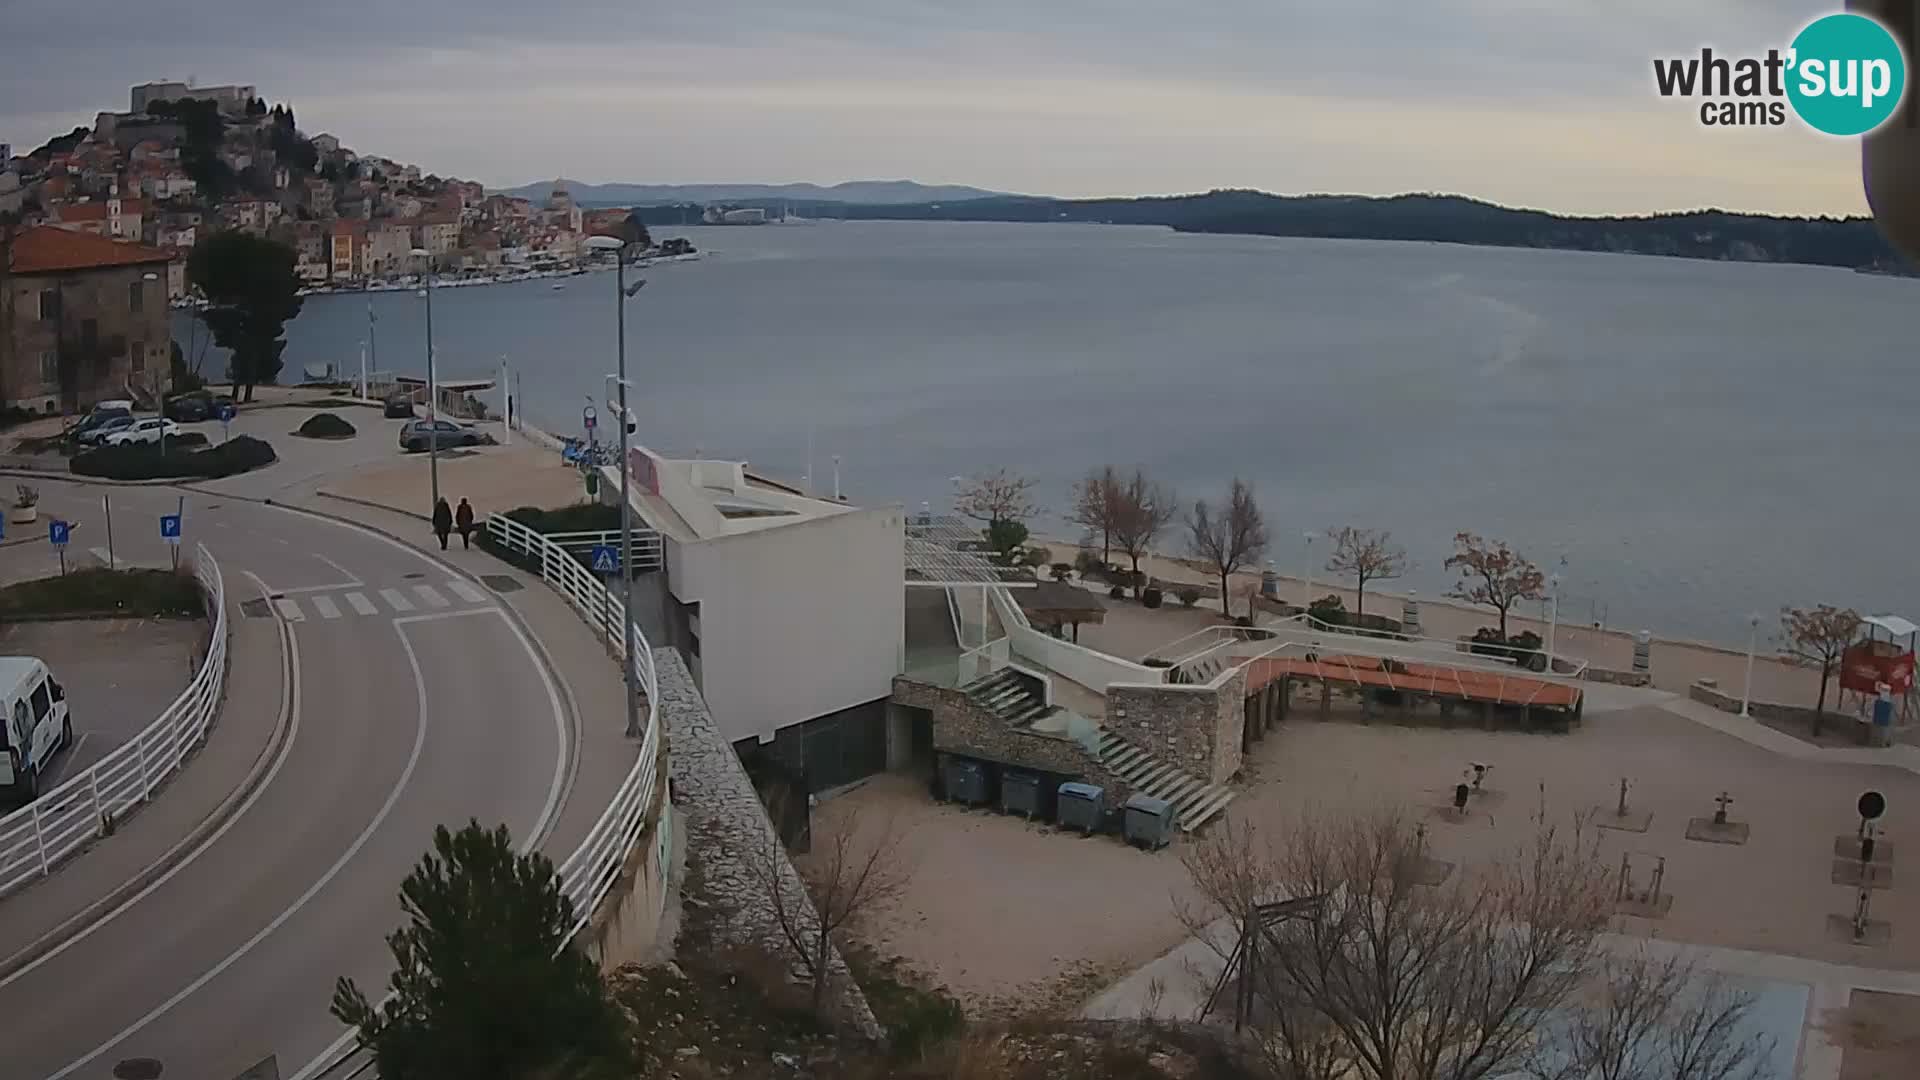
x: 1306, y: 600
x: 433, y: 411
x: 1553, y: 616
x: 621, y: 295
x: 1753, y: 639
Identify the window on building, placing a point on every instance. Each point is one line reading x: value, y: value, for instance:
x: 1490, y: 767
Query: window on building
x: 137, y: 355
x: 49, y: 305
x: 49, y: 368
x: 136, y: 296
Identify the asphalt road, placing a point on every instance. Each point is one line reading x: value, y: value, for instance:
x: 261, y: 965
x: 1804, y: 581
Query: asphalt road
x: 415, y: 701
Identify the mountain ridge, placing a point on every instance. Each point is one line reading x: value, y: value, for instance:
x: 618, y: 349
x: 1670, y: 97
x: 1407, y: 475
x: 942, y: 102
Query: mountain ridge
x: 864, y: 192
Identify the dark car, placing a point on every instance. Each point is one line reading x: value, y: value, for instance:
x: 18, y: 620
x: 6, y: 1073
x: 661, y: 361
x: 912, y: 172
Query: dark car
x: 399, y: 407
x: 96, y: 421
x: 415, y: 435
x: 190, y: 408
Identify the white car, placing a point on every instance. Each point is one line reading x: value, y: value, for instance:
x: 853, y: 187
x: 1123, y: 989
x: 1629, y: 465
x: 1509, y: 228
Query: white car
x: 150, y: 430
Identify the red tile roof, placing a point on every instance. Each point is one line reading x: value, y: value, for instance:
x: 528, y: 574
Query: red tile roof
x: 45, y: 249
x: 97, y: 211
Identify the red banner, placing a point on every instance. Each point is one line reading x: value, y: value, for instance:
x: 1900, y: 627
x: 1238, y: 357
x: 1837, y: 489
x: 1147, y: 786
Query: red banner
x: 1865, y: 666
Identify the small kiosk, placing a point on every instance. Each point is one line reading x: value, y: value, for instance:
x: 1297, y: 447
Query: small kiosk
x: 1876, y: 676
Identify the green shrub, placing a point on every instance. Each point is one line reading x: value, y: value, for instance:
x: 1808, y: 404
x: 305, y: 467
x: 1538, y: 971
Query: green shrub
x: 1085, y: 563
x: 147, y: 461
x: 99, y: 591
x: 1329, y: 609
x: 1189, y: 595
x: 326, y: 425
x: 1061, y: 571
x: 1152, y: 597
x: 1118, y: 592
x: 581, y: 517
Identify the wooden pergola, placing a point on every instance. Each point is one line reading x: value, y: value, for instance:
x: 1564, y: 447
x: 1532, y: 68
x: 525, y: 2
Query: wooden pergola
x: 1051, y: 605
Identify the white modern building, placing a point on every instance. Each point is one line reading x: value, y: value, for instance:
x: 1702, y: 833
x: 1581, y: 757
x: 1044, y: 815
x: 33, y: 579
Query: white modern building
x: 789, y: 607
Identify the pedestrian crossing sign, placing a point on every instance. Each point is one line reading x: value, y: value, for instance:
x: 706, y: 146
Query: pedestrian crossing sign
x: 605, y: 559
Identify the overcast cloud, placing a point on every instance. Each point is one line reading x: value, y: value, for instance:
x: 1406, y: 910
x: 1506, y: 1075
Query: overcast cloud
x: 1532, y: 102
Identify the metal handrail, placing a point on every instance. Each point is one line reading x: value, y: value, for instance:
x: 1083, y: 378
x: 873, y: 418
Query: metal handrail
x: 589, y: 873
x: 36, y: 837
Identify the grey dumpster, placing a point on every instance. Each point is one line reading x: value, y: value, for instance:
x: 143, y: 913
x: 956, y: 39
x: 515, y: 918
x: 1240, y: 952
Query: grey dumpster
x: 966, y: 781
x: 1149, y: 822
x: 1081, y: 807
x: 1020, y: 793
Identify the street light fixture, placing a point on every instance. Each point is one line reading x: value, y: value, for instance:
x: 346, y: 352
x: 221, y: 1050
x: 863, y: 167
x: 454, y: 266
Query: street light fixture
x: 1306, y: 600
x: 622, y: 293
x: 1553, y: 616
x: 433, y: 412
x: 1753, y: 639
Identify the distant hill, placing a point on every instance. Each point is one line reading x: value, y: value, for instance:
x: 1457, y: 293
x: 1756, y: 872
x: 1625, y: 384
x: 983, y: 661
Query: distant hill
x: 866, y: 192
x: 1698, y: 234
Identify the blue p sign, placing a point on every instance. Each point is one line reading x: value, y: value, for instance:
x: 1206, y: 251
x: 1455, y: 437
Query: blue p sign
x: 170, y: 528
x: 57, y: 531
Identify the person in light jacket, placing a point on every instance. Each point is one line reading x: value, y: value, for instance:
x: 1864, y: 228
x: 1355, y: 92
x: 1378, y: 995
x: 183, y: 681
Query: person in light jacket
x: 442, y: 521
x: 463, y: 520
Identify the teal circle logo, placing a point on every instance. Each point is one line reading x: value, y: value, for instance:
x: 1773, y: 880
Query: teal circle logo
x: 1846, y: 74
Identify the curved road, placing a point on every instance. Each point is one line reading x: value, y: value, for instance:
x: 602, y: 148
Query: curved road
x: 412, y: 700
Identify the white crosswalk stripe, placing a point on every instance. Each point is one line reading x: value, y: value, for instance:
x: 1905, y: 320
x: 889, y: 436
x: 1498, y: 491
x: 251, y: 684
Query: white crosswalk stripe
x: 361, y: 605
x: 325, y: 606
x: 396, y: 600
x: 430, y: 596
x: 467, y: 592
x: 290, y: 609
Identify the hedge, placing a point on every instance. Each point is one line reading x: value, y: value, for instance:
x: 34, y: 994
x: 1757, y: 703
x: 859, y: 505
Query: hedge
x: 326, y: 426
x: 99, y: 591
x: 145, y: 461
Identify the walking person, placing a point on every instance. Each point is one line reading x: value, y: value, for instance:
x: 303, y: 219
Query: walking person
x: 442, y: 521
x: 463, y: 520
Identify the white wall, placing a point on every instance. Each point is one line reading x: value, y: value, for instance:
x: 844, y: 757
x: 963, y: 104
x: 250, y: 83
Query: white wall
x: 796, y: 621
x: 1091, y: 669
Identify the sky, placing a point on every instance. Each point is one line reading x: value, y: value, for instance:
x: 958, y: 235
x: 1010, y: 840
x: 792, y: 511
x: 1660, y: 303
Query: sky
x: 1539, y: 103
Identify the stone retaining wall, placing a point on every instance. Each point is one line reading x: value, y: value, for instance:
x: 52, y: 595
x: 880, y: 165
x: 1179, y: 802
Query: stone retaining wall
x: 727, y: 826
x: 962, y: 727
x: 1707, y: 692
x: 1196, y: 728
x: 1622, y: 678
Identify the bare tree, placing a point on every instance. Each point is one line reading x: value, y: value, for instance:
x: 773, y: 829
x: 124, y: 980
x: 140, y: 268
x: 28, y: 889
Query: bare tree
x: 1095, y: 499
x: 1493, y: 575
x: 1142, y: 510
x: 1819, y: 637
x: 999, y: 497
x: 1365, y: 555
x: 1643, y: 1017
x: 1379, y: 976
x: 858, y: 867
x: 1229, y: 537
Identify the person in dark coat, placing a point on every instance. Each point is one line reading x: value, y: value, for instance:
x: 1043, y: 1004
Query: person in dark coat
x: 463, y: 520
x: 442, y: 522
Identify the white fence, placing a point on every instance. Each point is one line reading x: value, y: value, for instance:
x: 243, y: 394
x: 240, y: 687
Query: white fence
x: 34, y: 838
x: 647, y: 551
x: 589, y: 873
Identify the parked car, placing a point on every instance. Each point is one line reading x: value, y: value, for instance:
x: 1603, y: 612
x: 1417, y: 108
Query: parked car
x: 95, y: 429
x: 190, y: 408
x: 399, y: 407
x: 148, y: 430
x: 414, y: 435
x: 95, y: 419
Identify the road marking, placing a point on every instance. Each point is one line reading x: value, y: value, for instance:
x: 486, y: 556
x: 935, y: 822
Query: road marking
x: 361, y: 605
x: 396, y: 600
x: 430, y: 596
x: 289, y: 609
x: 325, y: 606
x: 344, y: 572
x: 467, y: 592
x: 290, y: 716
x: 234, y: 957
x: 305, y: 589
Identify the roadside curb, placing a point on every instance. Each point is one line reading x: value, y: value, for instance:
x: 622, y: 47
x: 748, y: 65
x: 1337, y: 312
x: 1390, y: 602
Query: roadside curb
x: 370, y: 505
x: 170, y: 858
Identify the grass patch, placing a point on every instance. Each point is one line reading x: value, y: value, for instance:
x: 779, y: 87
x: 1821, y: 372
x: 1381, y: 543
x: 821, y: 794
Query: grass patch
x: 146, y: 461
x: 99, y: 591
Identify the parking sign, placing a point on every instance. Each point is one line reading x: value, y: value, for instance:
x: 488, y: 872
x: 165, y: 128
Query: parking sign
x: 57, y: 532
x: 170, y: 528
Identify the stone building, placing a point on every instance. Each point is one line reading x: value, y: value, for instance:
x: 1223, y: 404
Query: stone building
x: 82, y: 318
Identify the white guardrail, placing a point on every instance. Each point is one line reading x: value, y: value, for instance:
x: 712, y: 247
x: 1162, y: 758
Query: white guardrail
x: 589, y: 873
x: 36, y: 837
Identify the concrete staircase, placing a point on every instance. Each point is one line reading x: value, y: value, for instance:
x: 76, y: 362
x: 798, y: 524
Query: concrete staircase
x: 1199, y: 671
x: 1195, y: 800
x: 1009, y: 695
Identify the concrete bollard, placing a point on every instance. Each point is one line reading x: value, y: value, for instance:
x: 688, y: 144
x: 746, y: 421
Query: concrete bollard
x: 1410, y: 613
x: 1643, y: 651
x: 1269, y: 584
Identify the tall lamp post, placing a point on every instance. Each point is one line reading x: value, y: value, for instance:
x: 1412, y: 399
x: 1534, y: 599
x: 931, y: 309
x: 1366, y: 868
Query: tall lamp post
x: 433, y: 410
x: 621, y: 295
x: 1753, y: 640
x: 1553, y: 616
x: 1306, y: 600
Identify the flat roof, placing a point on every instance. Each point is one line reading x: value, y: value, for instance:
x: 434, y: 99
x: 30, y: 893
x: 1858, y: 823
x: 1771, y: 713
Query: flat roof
x: 692, y: 499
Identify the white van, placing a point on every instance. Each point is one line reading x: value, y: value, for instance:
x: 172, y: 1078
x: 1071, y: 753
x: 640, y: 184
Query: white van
x: 34, y: 724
